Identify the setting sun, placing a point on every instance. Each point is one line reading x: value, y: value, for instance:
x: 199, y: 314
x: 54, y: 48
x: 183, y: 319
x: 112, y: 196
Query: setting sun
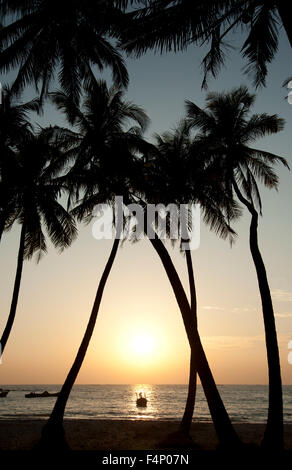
x: 142, y: 350
x: 143, y: 344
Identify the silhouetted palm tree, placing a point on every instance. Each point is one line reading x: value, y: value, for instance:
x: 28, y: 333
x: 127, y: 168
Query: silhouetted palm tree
x: 227, y: 128
x: 179, y: 173
x: 36, y: 205
x: 166, y: 25
x: 14, y: 127
x: 49, y: 38
x: 174, y: 150
x: 104, y: 167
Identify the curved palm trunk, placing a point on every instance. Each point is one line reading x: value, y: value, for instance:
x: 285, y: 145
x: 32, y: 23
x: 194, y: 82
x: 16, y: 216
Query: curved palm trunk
x: 16, y: 289
x: 273, y: 437
x: 285, y: 12
x: 225, y: 431
x: 53, y: 435
x: 186, y: 422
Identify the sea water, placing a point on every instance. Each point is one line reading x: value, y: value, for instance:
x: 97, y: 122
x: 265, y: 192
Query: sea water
x: 244, y: 403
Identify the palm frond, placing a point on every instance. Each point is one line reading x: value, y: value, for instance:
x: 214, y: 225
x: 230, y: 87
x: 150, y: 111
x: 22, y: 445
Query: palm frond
x: 261, y: 44
x: 261, y: 125
x: 216, y: 56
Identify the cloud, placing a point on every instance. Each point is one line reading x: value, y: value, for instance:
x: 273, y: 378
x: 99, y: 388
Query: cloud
x: 232, y: 342
x: 228, y: 309
x: 244, y: 309
x: 284, y: 315
x: 242, y: 342
x: 281, y: 295
x: 212, y: 307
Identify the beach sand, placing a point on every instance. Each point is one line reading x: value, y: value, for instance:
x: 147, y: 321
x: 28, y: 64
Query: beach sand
x: 83, y: 434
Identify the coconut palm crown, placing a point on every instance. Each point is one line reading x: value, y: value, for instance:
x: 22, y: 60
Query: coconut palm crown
x: 48, y: 39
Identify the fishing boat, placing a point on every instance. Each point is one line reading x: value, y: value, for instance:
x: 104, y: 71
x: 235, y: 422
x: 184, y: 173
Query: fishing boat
x: 4, y: 393
x: 44, y: 394
x: 141, y: 400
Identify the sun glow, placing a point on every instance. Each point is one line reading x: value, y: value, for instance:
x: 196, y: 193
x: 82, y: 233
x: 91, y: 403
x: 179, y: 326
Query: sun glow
x: 143, y: 344
x: 141, y: 349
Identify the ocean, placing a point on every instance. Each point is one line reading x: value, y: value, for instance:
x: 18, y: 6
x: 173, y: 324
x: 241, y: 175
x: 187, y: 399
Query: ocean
x: 244, y: 403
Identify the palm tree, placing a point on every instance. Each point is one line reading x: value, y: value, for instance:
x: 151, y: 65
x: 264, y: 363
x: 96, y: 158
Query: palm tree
x: 67, y: 39
x: 53, y: 435
x: 170, y: 178
x: 166, y: 25
x: 169, y: 160
x: 227, y: 128
x: 35, y: 204
x: 14, y: 127
x: 105, y: 165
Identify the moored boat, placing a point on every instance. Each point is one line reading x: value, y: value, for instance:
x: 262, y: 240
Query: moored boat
x: 41, y: 395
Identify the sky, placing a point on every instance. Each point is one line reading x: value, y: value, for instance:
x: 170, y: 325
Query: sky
x: 139, y: 335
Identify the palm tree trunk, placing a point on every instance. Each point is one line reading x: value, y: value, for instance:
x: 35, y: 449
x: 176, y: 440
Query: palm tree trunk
x: 186, y: 422
x: 225, y: 431
x: 273, y: 437
x: 285, y: 12
x: 53, y: 435
x: 16, y: 289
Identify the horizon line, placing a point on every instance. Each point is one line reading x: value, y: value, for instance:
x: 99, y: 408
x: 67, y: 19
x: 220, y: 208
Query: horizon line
x: 140, y: 383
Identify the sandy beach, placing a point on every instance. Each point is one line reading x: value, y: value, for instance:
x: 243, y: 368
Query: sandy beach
x: 122, y: 435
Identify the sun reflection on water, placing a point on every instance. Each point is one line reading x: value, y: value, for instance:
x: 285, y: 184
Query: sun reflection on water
x: 150, y: 411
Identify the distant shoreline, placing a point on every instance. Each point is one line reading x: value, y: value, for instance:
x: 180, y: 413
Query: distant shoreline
x: 93, y: 434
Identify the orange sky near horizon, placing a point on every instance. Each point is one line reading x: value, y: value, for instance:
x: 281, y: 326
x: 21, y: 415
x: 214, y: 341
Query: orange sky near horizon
x: 138, y: 306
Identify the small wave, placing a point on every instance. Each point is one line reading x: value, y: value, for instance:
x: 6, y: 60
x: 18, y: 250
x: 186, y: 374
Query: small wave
x: 23, y: 416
